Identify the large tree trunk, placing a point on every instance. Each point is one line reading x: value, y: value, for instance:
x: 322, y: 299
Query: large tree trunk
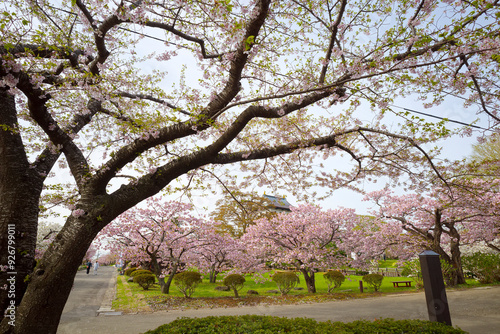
x: 21, y: 184
x: 20, y: 189
x: 42, y: 305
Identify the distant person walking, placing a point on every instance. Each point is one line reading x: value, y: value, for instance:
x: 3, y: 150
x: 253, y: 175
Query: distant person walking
x: 89, y: 265
x: 96, y: 266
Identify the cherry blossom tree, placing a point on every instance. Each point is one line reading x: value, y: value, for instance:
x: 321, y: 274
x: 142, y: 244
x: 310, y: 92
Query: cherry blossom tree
x: 217, y: 252
x: 267, y: 86
x: 441, y: 220
x: 308, y: 239
x: 479, y: 199
x: 162, y: 235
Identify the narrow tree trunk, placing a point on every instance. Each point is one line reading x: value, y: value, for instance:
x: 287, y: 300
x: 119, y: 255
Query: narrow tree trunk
x: 166, y: 290
x: 213, y: 274
x: 157, y: 269
x: 458, y: 276
x: 211, y: 277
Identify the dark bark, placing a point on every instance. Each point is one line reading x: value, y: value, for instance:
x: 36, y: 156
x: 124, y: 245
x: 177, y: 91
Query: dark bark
x: 20, y: 188
x: 213, y: 274
x: 175, y: 266
x: 50, y: 285
x: 21, y: 185
x: 157, y: 269
x: 43, y: 302
x: 455, y: 275
x: 310, y: 280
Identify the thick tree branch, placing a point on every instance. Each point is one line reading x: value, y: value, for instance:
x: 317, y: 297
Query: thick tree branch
x: 37, y: 100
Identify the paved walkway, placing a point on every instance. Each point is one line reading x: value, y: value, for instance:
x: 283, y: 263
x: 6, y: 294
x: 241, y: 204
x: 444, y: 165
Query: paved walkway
x: 474, y: 310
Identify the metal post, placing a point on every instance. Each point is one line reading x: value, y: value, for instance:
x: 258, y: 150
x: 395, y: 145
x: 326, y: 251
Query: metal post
x: 361, y: 286
x: 435, y: 292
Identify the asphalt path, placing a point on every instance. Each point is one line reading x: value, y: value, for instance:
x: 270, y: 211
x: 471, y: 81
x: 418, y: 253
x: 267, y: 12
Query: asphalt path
x: 474, y: 310
x: 87, y: 295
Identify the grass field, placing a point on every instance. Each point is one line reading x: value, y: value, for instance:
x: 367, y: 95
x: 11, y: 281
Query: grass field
x: 132, y: 298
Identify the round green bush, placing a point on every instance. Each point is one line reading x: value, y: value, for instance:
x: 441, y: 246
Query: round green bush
x: 235, y: 282
x: 145, y: 280
x: 270, y: 325
x: 187, y: 282
x: 285, y: 280
x: 334, y: 279
x: 373, y: 280
x: 129, y: 271
x: 141, y: 272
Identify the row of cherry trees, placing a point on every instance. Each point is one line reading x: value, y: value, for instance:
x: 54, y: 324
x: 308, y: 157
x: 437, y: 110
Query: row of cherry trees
x: 166, y: 237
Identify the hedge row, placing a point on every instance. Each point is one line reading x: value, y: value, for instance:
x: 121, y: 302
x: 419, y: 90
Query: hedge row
x: 268, y: 325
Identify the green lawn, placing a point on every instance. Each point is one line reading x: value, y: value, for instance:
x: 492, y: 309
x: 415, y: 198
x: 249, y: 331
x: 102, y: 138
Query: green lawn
x: 131, y: 297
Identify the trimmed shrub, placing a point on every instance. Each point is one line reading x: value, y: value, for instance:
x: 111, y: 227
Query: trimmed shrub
x: 234, y: 282
x: 485, y: 267
x: 140, y: 272
x: 187, y: 282
x: 130, y: 271
x: 361, y: 272
x: 373, y: 280
x: 145, y: 280
x: 269, y: 324
x: 334, y: 279
x: 286, y: 281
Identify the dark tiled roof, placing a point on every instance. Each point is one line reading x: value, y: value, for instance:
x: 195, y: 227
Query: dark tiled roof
x: 279, y: 202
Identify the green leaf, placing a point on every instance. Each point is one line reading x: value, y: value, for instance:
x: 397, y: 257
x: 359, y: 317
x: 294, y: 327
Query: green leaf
x: 249, y: 42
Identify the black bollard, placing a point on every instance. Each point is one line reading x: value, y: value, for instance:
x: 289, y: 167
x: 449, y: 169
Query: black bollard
x: 435, y: 292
